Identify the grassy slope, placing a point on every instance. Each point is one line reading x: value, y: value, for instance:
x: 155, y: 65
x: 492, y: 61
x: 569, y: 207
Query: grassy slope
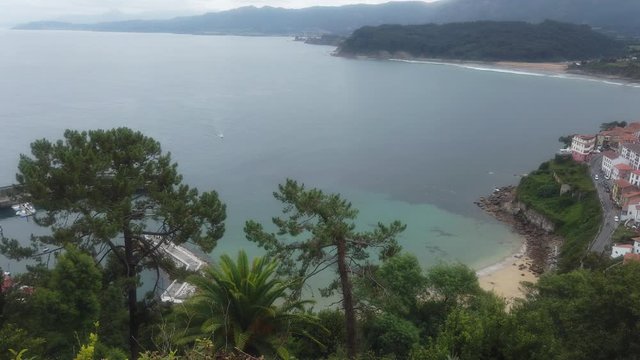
x: 577, y: 214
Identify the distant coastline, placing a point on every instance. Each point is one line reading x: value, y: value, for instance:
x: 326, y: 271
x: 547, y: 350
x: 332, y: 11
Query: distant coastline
x: 551, y: 69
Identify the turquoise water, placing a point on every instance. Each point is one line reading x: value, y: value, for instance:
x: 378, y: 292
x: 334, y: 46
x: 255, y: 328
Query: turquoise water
x: 414, y: 142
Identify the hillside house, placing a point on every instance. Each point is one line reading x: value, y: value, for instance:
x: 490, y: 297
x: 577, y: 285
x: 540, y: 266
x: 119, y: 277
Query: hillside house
x: 618, y: 250
x: 611, y: 159
x: 582, y: 146
x: 631, y: 152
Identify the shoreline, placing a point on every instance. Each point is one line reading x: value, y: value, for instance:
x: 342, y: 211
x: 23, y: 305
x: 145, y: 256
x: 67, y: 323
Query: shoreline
x: 550, y: 69
x: 535, y: 256
x: 505, y: 278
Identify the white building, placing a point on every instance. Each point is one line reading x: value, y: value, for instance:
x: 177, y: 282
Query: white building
x: 634, y: 178
x: 618, y: 250
x: 631, y: 152
x: 582, y: 146
x: 632, y: 212
x: 636, y: 245
x: 610, y: 160
x: 621, y: 171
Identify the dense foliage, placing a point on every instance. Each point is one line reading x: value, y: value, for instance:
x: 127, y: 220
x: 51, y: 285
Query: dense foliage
x: 483, y: 40
x: 623, y: 68
x: 576, y: 213
x: 108, y: 192
x: 237, y: 307
x: 318, y: 233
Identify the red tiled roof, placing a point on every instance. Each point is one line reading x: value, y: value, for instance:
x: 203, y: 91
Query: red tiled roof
x: 624, y: 167
x: 637, y: 172
x: 623, y: 246
x: 622, y: 183
x: 630, y: 257
x: 616, y: 131
x: 631, y: 198
x: 632, y: 147
x: 634, y: 125
x: 611, y: 154
x: 585, y: 137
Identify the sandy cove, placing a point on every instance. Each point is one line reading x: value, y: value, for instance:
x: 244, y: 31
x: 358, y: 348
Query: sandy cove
x: 536, y: 255
x: 505, y: 277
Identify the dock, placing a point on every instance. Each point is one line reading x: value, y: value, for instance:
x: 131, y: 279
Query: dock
x: 178, y: 291
x: 10, y: 195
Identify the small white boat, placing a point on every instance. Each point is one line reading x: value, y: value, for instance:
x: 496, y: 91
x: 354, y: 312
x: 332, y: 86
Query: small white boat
x: 221, y: 136
x: 24, y: 209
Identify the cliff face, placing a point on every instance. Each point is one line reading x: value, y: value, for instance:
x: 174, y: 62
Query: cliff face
x: 518, y: 208
x: 537, y: 230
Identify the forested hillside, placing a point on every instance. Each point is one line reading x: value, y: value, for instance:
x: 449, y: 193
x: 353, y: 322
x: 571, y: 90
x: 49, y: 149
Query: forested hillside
x: 483, y: 40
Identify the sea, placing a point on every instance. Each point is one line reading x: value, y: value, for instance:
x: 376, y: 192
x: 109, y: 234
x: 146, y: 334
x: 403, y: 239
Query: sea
x: 413, y: 141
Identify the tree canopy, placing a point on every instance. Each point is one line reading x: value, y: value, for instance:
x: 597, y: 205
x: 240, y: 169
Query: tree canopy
x: 107, y: 191
x: 318, y: 234
x: 236, y: 307
x: 484, y: 40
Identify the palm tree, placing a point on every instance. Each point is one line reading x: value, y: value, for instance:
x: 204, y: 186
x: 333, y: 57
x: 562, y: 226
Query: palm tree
x: 243, y: 306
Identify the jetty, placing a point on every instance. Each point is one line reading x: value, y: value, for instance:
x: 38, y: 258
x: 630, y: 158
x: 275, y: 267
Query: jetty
x: 178, y: 291
x: 10, y: 195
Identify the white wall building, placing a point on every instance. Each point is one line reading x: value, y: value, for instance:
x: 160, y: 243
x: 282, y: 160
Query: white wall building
x: 618, y: 250
x: 636, y: 245
x: 632, y: 213
x: 610, y: 160
x: 631, y: 152
x: 634, y: 178
x: 582, y: 146
x: 620, y: 171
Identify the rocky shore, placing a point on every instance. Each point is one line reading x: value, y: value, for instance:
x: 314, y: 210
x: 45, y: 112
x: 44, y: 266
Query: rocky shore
x: 541, y: 244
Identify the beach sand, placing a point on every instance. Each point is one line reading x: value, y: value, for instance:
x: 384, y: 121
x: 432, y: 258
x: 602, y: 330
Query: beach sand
x: 554, y: 68
x: 504, y: 277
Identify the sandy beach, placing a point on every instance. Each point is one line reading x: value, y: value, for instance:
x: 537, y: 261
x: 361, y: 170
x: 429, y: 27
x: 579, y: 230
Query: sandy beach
x: 504, y: 278
x: 549, y: 67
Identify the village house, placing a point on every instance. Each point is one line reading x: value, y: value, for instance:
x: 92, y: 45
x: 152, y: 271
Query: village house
x: 630, y: 257
x: 621, y: 187
x: 630, y: 252
x: 582, y: 146
x: 618, y: 250
x: 631, y: 152
x: 632, y: 212
x: 613, y: 138
x: 634, y: 178
x: 621, y: 171
x: 611, y: 159
x: 636, y: 245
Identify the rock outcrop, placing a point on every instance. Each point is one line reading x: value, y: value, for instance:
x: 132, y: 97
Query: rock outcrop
x: 537, y: 230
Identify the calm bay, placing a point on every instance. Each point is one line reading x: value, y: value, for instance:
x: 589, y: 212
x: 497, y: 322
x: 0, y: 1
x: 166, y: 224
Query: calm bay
x: 414, y: 142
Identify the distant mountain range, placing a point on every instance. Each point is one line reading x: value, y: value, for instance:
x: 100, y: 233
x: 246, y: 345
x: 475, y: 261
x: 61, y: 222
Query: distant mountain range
x: 619, y: 17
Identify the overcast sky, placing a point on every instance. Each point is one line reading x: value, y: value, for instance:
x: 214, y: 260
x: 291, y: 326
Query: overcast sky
x: 18, y: 11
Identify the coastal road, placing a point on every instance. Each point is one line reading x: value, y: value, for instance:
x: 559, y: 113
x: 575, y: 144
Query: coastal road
x: 608, y: 208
